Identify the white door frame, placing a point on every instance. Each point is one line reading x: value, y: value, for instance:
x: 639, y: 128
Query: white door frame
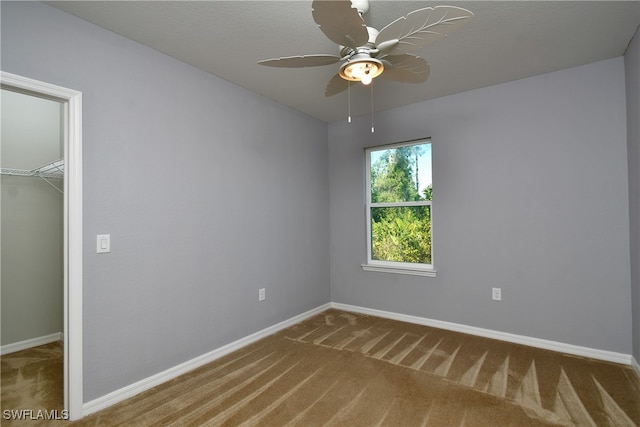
x: 72, y: 119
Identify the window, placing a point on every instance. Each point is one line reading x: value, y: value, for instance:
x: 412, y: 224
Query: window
x: 399, y: 189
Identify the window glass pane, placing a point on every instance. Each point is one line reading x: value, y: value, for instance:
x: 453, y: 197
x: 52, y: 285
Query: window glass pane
x: 401, y: 234
x: 401, y: 174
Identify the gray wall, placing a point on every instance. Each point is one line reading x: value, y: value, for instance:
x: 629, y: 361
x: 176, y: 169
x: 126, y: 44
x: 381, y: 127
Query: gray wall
x: 530, y: 193
x: 632, y: 73
x: 209, y: 192
x: 31, y: 220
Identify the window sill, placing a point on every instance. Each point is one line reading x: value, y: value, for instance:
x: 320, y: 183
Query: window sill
x: 400, y: 270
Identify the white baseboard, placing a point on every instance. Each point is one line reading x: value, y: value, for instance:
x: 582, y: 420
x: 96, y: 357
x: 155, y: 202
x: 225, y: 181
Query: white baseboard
x: 609, y: 356
x: 33, y: 342
x: 161, y: 377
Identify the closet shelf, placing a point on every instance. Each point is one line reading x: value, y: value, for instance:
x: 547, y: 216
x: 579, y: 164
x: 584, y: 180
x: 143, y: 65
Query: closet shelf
x: 53, y: 170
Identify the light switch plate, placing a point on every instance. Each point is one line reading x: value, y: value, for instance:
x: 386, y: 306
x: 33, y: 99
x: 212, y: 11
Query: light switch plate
x: 103, y: 243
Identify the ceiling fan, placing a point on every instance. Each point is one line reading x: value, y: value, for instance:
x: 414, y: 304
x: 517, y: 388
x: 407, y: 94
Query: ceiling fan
x: 366, y: 53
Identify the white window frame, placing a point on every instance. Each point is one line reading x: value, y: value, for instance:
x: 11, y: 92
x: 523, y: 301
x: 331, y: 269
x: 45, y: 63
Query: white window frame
x: 418, y: 269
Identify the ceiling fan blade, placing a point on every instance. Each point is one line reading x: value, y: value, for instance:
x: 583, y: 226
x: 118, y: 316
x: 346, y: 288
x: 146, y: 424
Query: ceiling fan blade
x: 340, y: 22
x: 405, y: 68
x: 422, y: 27
x: 301, y: 61
x: 336, y: 85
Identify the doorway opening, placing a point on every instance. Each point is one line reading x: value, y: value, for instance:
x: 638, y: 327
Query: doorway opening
x: 69, y: 166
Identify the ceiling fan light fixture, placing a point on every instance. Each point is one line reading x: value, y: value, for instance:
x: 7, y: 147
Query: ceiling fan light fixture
x: 361, y: 68
x: 359, y: 45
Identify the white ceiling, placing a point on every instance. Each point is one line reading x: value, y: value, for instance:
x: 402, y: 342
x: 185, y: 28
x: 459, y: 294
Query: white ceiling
x: 506, y: 40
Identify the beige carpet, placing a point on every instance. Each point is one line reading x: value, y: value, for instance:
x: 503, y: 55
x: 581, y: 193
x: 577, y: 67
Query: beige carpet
x: 32, y: 380
x: 344, y: 369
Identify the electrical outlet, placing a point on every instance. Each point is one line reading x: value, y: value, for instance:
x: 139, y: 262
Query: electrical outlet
x: 262, y: 294
x: 496, y: 294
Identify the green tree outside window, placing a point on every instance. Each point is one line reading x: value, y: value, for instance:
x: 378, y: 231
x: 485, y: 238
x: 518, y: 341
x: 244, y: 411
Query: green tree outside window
x: 399, y: 203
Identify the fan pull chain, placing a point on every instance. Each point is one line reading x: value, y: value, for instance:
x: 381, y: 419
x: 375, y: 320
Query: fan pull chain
x: 372, y: 128
x: 349, y: 100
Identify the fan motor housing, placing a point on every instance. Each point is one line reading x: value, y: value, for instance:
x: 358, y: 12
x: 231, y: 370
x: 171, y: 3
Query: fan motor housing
x: 371, y: 44
x: 361, y: 5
